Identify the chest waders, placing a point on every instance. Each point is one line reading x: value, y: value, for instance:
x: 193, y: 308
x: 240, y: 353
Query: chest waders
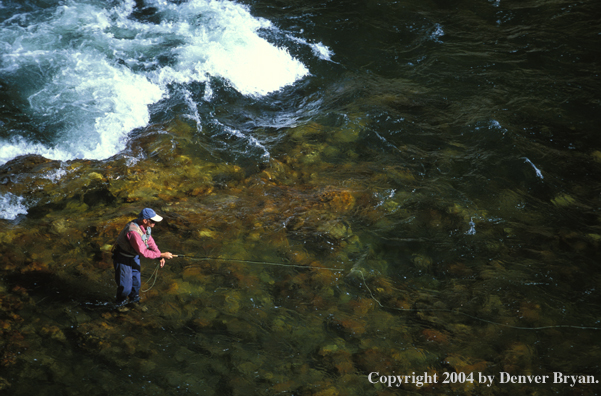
x: 127, y: 264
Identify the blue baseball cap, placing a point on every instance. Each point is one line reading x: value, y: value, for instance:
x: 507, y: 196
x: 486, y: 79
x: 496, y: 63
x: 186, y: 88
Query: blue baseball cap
x: 148, y: 213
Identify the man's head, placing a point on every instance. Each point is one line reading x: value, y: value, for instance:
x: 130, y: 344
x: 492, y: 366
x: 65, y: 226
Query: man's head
x: 148, y: 217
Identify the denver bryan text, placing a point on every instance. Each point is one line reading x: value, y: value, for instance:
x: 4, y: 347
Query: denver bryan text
x: 558, y: 378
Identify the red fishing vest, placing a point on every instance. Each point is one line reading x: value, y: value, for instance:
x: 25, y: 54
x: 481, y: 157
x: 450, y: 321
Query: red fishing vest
x: 123, y: 242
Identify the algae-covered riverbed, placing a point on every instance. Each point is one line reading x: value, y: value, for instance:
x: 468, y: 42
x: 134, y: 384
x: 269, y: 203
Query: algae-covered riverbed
x: 378, y: 274
x: 414, y: 209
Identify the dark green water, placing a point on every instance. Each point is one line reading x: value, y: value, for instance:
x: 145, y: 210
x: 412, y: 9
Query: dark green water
x: 442, y: 169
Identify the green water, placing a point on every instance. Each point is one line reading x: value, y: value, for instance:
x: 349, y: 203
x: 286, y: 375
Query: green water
x: 434, y: 209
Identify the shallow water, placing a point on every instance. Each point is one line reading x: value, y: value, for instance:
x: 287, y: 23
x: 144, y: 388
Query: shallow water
x: 358, y: 187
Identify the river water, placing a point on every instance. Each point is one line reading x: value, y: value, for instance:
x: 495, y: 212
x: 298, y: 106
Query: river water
x: 391, y: 187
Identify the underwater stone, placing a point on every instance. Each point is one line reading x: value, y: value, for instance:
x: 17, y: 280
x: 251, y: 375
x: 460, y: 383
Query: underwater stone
x: 434, y: 335
x: 232, y: 302
x: 8, y: 236
x: 563, y: 200
x: 183, y: 288
x: 377, y: 359
x: 311, y: 154
x: 77, y: 207
x: 331, y: 391
x: 334, y: 229
x: 400, y: 175
x: 304, y: 131
x: 146, y: 366
x: 183, y: 354
x: 594, y: 238
x: 171, y: 310
x: 518, y: 358
x: 241, y: 328
x: 95, y: 176
x: 342, y: 362
x: 248, y: 369
x: 328, y: 349
x: 4, y: 384
x: 530, y: 312
x: 422, y: 262
x: 206, y: 233
x: 54, y: 333
x: 351, y: 131
x: 459, y: 270
x: 130, y: 344
x: 324, y: 277
x: 59, y: 226
x: 279, y: 324
x: 349, y: 324
x: 494, y: 306
x: 195, y: 274
x: 205, y: 317
x: 362, y: 306
x: 345, y: 297
x: 338, y: 201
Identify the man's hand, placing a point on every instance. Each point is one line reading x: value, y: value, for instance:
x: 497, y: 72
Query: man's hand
x: 166, y: 255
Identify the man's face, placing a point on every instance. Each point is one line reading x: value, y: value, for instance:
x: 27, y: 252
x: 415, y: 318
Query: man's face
x: 148, y: 223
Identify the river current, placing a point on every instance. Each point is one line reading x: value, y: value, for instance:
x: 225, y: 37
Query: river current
x: 400, y: 187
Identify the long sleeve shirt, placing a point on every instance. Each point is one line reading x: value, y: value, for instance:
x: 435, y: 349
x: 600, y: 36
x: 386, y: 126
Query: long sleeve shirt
x: 152, y: 252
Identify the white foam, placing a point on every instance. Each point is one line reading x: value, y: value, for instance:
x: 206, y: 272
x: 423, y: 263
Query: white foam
x: 11, y: 206
x: 96, y: 105
x: 16, y: 146
x: 491, y: 125
x: 322, y: 51
x: 90, y: 73
x: 195, y: 116
x: 319, y: 49
x: 495, y: 124
x: 55, y: 175
x: 221, y: 40
x: 538, y: 172
x: 437, y: 33
x: 472, y: 230
x: 251, y: 141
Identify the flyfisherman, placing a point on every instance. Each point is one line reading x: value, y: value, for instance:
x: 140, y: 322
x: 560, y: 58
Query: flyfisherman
x: 135, y: 241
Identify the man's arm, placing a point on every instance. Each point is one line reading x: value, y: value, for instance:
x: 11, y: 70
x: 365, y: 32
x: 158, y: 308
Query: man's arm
x: 152, y: 252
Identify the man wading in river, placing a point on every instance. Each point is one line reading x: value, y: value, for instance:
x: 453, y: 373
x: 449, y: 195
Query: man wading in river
x: 135, y: 240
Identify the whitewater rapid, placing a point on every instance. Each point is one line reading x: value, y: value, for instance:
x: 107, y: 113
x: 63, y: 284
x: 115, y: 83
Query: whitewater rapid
x: 86, y: 73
